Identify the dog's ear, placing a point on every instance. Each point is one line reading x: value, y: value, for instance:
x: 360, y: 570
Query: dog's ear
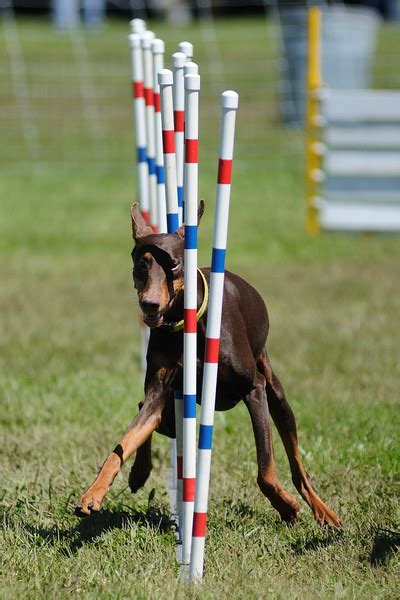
x: 200, y: 211
x: 139, y: 225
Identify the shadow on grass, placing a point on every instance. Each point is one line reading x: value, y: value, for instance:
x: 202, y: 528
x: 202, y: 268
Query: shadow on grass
x: 89, y: 530
x: 385, y: 545
x: 317, y: 541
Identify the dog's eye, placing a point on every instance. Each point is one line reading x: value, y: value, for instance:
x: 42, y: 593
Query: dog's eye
x: 142, y: 264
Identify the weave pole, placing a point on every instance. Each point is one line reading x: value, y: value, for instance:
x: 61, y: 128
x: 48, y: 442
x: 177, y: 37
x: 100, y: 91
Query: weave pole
x: 147, y: 38
x: 191, y: 68
x: 158, y: 49
x: 178, y: 407
x: 139, y: 112
x: 178, y: 61
x: 138, y: 25
x: 187, y: 49
x: 192, y: 88
x: 165, y: 80
x: 229, y: 106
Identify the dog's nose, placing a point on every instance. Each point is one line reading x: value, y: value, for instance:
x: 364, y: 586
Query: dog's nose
x: 150, y: 306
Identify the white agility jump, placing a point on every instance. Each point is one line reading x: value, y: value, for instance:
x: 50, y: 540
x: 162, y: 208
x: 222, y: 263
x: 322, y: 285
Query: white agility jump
x: 353, y: 153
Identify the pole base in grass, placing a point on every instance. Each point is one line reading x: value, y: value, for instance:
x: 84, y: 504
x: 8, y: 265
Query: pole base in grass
x: 178, y: 554
x: 184, y: 574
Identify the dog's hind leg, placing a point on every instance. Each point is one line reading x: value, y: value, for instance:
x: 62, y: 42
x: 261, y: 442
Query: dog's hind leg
x: 284, y: 420
x: 141, y: 468
x: 282, y: 501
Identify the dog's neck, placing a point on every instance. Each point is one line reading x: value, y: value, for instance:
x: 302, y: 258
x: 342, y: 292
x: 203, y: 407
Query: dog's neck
x: 175, y: 313
x: 174, y: 316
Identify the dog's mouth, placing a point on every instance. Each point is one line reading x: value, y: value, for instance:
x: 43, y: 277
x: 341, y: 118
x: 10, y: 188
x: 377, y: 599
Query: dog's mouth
x: 153, y: 321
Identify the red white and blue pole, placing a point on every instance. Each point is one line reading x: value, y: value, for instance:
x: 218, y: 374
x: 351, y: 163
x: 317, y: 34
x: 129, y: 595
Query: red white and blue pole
x: 147, y: 38
x: 140, y: 126
x: 178, y: 61
x: 165, y: 80
x: 158, y: 49
x: 229, y: 105
x: 192, y: 89
x: 138, y: 28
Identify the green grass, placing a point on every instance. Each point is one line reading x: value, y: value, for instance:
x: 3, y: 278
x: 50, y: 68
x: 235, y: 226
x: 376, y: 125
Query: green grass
x: 70, y: 367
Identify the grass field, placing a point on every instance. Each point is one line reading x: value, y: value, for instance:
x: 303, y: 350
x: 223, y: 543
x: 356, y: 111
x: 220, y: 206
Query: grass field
x: 70, y: 375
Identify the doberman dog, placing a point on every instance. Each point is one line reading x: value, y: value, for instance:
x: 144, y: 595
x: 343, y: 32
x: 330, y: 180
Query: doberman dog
x: 244, y: 373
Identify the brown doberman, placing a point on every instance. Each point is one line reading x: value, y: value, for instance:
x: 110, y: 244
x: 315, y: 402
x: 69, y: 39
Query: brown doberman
x: 244, y: 373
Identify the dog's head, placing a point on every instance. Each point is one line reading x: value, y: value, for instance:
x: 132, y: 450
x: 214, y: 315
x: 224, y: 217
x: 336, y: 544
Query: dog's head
x: 157, y: 267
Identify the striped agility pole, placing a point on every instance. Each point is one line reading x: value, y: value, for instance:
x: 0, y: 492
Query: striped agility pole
x: 158, y: 49
x: 192, y: 88
x: 140, y: 133
x: 187, y: 49
x: 139, y: 118
x: 178, y: 61
x: 190, y: 68
x: 178, y: 407
x: 165, y: 80
x: 229, y: 105
x: 147, y: 38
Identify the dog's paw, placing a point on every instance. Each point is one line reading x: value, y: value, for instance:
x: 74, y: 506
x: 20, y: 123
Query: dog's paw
x: 325, y: 516
x: 290, y: 513
x: 88, y: 503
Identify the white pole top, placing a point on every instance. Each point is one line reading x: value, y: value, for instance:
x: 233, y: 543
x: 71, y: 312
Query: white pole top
x: 179, y: 60
x: 165, y: 77
x: 134, y: 40
x: 230, y: 99
x: 187, y: 49
x: 192, y: 82
x: 158, y: 46
x: 146, y: 38
x: 138, y: 25
x: 190, y: 68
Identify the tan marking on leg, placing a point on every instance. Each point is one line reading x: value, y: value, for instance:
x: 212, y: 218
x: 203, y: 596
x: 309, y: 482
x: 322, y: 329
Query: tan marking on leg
x: 135, y: 437
x: 284, y: 420
x: 267, y: 479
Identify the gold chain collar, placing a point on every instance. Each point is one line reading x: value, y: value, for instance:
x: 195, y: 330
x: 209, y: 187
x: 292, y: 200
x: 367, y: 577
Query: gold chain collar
x: 178, y: 326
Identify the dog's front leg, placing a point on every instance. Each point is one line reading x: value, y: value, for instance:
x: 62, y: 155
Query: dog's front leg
x: 146, y: 421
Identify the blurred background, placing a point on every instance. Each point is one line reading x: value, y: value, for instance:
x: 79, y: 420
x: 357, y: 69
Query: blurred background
x: 65, y: 67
